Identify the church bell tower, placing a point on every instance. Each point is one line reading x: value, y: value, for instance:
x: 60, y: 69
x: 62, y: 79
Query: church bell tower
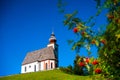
x: 52, y: 42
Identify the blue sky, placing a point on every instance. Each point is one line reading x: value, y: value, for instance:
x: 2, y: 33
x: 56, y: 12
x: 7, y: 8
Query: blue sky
x: 26, y: 25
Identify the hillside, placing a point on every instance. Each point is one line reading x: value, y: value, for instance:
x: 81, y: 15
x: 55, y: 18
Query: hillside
x: 49, y: 75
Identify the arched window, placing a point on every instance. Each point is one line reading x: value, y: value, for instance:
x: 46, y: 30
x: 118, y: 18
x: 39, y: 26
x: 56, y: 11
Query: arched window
x: 25, y: 69
x: 46, y: 66
x: 51, y: 65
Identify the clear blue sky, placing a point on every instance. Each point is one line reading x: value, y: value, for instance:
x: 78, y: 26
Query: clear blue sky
x: 26, y: 25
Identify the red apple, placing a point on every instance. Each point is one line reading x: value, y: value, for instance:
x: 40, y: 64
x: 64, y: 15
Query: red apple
x: 82, y: 64
x: 75, y: 30
x: 98, y: 70
x: 87, y: 60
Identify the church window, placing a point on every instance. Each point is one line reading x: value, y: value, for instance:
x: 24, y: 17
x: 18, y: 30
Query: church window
x: 51, y: 65
x: 56, y: 64
x: 29, y: 66
x: 46, y: 66
x: 25, y: 69
x: 34, y: 68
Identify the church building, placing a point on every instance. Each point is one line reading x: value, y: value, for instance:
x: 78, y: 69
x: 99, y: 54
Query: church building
x: 43, y: 59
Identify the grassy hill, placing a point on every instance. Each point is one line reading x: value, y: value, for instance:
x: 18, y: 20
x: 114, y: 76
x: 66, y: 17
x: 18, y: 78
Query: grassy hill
x: 49, y: 75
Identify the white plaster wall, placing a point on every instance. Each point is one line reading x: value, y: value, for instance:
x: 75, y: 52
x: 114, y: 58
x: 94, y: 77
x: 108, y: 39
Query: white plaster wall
x: 30, y: 67
x: 39, y: 66
x: 51, y: 45
x: 42, y: 65
x: 49, y: 65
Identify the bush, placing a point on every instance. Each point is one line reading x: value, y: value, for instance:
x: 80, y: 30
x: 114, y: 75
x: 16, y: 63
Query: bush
x: 68, y: 69
x: 77, y: 69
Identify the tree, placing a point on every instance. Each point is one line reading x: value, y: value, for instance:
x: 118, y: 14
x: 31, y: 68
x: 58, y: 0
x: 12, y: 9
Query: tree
x: 110, y: 53
x: 77, y: 69
x: 107, y: 42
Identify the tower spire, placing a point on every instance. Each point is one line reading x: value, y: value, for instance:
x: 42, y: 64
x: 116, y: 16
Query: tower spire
x: 52, y: 38
x: 53, y: 30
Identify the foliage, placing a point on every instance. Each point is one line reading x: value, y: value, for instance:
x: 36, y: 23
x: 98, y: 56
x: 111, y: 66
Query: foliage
x: 49, y: 75
x: 110, y: 53
x: 89, y: 66
x: 76, y: 69
x: 83, y: 66
x: 107, y: 42
x: 68, y: 70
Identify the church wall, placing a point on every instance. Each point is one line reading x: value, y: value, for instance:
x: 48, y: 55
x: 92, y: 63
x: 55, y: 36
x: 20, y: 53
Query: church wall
x: 49, y: 62
x: 31, y: 67
x: 51, y: 45
x: 38, y: 66
x: 42, y: 65
x: 53, y: 61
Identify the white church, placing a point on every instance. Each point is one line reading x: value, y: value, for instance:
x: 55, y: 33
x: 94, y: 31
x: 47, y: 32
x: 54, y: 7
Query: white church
x: 43, y: 59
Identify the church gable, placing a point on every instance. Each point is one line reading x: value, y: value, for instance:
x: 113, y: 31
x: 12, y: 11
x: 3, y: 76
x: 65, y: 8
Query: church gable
x: 39, y: 55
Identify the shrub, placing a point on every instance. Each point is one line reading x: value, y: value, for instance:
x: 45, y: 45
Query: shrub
x: 68, y: 69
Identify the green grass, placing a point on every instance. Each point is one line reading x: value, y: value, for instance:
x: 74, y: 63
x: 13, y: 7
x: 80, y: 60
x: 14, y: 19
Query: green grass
x: 50, y: 75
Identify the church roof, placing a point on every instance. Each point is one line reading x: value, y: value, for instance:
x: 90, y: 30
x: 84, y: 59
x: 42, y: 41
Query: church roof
x: 39, y: 55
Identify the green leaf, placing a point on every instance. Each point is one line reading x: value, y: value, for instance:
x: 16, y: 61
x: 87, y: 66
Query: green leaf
x: 74, y: 46
x: 97, y: 43
x: 76, y: 20
x: 70, y: 41
x: 98, y: 3
x: 118, y: 36
x: 71, y: 25
x: 65, y: 22
x: 68, y: 15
